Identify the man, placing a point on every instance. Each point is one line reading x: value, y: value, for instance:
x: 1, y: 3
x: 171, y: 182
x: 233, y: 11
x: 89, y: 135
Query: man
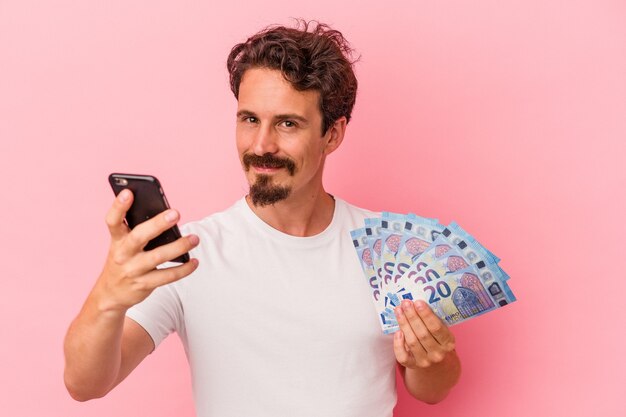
x: 274, y: 312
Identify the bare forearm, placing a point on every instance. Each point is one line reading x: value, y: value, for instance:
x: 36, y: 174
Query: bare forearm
x: 432, y: 384
x: 93, y: 351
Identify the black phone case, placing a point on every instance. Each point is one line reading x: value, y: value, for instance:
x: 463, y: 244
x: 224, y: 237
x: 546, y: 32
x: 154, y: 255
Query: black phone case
x: 149, y: 200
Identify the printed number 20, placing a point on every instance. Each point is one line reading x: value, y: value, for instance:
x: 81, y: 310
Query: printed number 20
x: 441, y: 288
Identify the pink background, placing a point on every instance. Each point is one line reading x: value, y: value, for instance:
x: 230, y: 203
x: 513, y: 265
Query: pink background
x: 508, y: 117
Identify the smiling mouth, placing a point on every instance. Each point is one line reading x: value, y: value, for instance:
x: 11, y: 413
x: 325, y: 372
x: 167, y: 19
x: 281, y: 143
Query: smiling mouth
x: 266, y: 168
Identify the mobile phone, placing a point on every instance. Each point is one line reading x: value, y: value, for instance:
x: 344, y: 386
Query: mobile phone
x: 149, y: 200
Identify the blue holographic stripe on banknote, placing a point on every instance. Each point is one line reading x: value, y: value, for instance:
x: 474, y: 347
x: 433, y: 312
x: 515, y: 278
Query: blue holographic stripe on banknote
x: 373, y: 231
x: 392, y: 230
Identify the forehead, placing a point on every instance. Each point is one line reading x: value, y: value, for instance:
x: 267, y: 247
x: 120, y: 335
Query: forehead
x: 266, y: 91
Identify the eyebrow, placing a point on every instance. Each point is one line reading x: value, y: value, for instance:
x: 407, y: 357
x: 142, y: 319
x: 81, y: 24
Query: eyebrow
x: 294, y: 116
x: 241, y: 113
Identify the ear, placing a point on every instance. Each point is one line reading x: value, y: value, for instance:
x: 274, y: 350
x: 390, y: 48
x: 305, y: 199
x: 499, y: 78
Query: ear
x: 334, y: 135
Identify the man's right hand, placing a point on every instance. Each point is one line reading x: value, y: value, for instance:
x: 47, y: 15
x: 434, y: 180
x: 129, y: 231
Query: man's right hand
x: 129, y: 273
x: 102, y: 346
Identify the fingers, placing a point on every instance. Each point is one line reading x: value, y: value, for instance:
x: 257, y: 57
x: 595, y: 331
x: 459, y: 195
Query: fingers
x: 151, y: 259
x: 420, y: 329
x: 148, y: 230
x: 130, y: 274
x: 405, y: 316
x: 435, y: 326
x: 160, y: 277
x: 117, y: 212
x: 132, y: 290
x: 403, y: 356
x: 426, y: 336
x: 143, y: 263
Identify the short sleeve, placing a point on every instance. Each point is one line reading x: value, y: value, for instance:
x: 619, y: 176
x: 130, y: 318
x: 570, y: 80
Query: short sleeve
x: 160, y: 313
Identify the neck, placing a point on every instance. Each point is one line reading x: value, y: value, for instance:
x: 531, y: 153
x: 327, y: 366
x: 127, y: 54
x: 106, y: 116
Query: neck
x: 303, y: 215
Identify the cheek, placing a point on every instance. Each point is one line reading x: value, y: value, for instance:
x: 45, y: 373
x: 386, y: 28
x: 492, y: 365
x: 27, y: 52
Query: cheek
x: 312, y: 161
x: 241, y: 141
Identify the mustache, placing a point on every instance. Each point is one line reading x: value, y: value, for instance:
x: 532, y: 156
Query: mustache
x: 268, y: 160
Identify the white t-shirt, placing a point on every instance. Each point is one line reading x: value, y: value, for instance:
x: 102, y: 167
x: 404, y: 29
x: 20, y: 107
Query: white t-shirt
x: 276, y: 325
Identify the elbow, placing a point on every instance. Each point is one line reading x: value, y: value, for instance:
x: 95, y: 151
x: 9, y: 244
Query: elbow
x: 433, y: 400
x: 81, y: 395
x: 77, y: 395
x: 430, y: 398
x: 81, y: 392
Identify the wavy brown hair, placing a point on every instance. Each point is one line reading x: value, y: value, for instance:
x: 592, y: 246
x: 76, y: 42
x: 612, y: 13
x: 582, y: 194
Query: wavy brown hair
x: 311, y: 56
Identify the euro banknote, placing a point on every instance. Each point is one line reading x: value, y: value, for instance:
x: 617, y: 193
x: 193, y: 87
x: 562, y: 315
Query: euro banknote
x: 418, y: 234
x: 392, y: 229
x: 373, y: 232
x: 413, y: 257
x: 386, y: 316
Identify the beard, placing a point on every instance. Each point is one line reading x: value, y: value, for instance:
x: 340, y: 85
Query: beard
x: 263, y: 192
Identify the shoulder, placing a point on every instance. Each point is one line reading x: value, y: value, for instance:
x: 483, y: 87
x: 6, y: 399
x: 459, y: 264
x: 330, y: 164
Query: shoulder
x: 227, y: 221
x: 352, y: 214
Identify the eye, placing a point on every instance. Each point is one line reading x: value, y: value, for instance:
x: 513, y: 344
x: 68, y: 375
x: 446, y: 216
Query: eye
x: 250, y: 119
x: 288, y: 123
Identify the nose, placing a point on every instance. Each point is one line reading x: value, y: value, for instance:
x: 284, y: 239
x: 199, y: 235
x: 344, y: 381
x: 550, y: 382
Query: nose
x: 265, y: 141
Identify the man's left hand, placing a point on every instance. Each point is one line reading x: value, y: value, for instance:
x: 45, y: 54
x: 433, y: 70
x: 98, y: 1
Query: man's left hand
x: 423, y: 340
